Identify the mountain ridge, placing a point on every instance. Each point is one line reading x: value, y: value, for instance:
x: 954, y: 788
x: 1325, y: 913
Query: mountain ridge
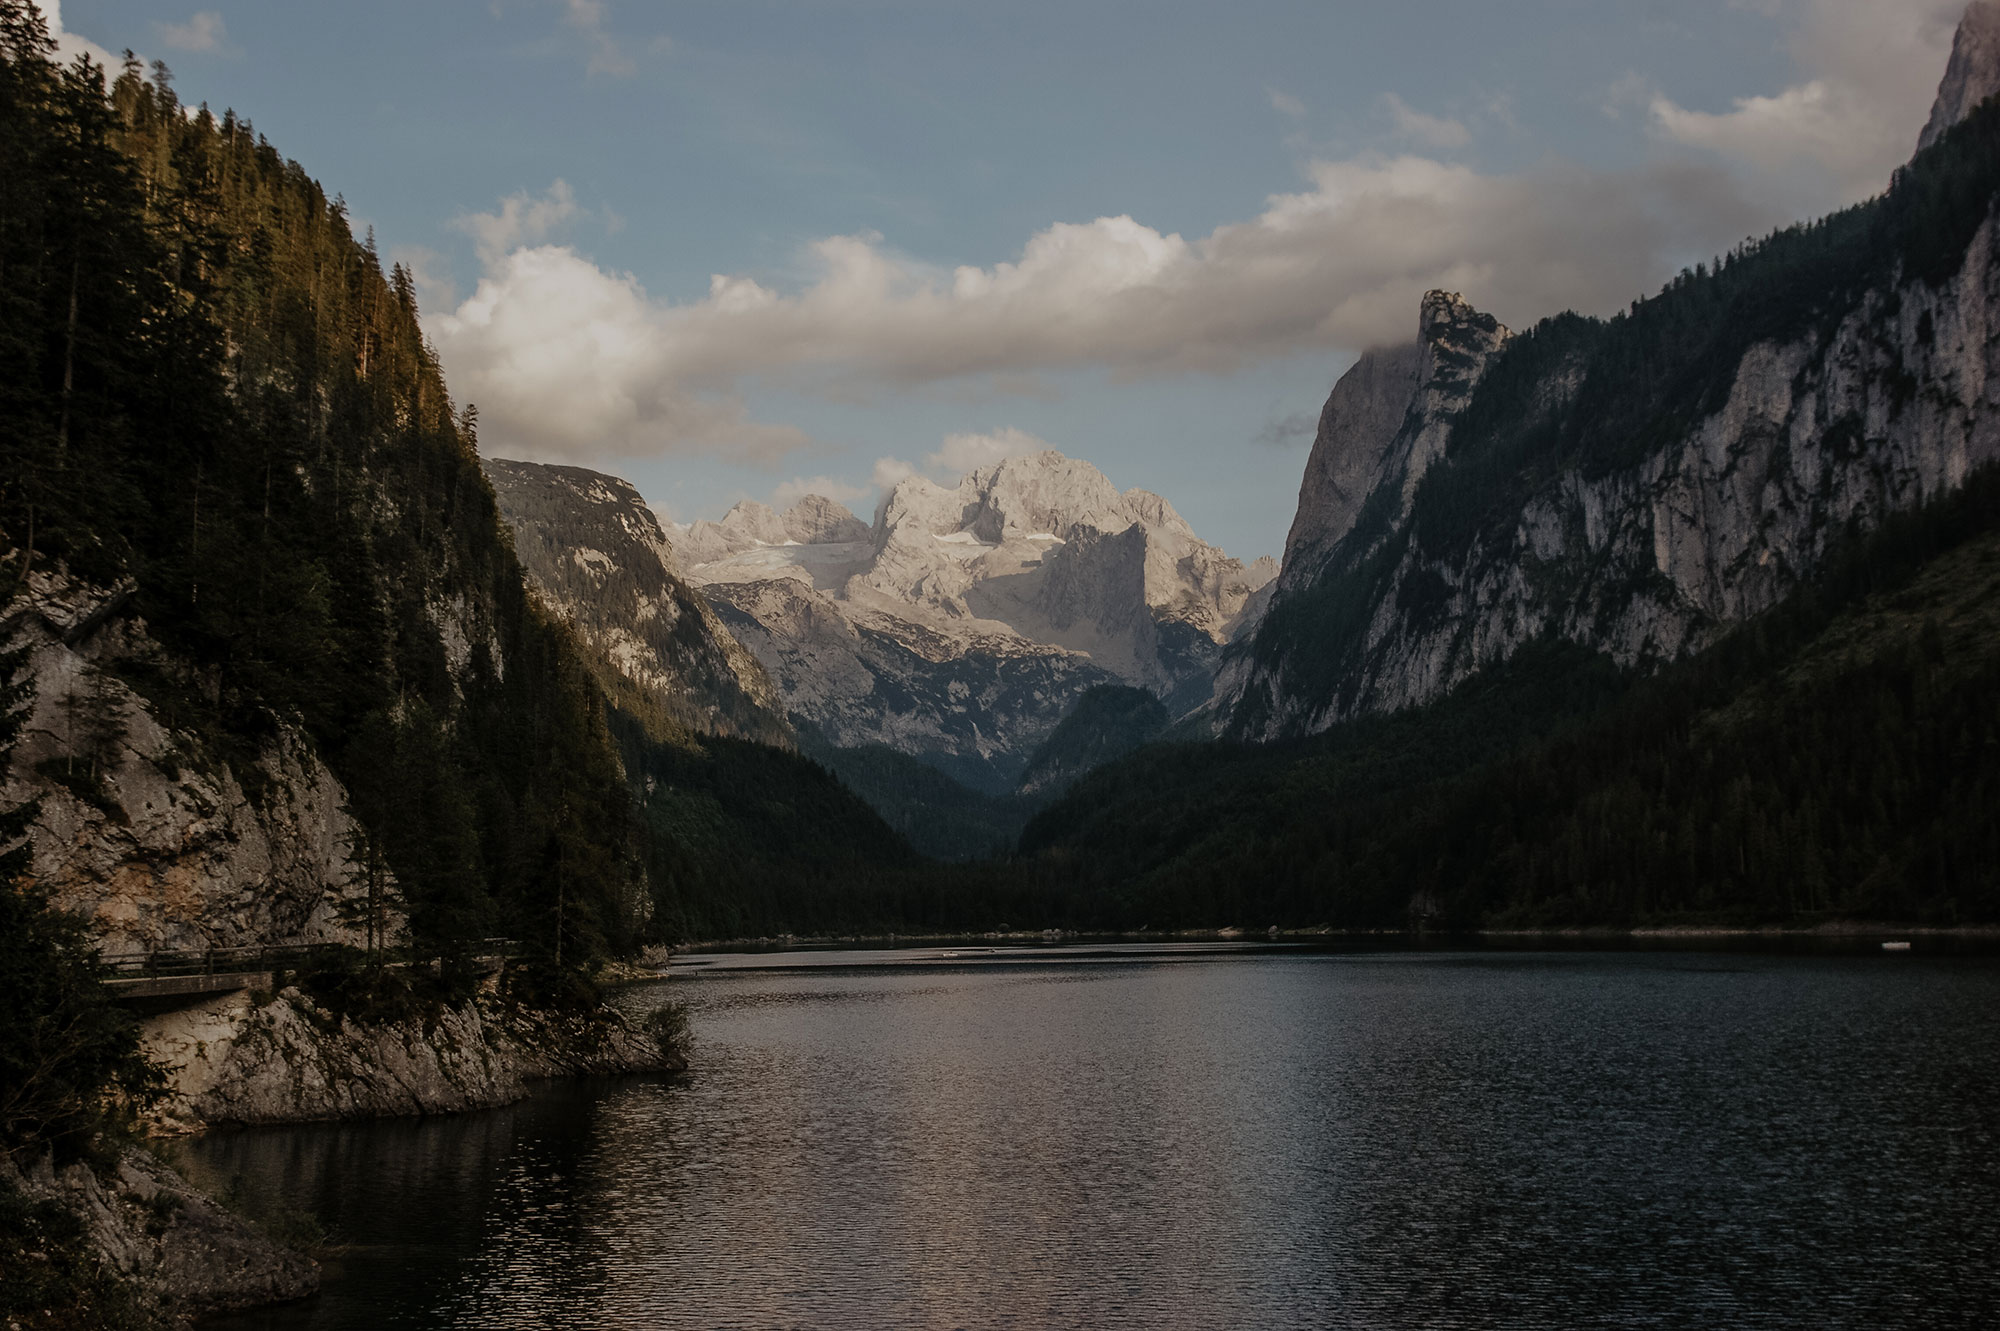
x: 1635, y: 485
x: 600, y: 560
x: 969, y: 617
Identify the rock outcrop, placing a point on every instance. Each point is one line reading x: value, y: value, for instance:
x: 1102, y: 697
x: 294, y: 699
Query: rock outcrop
x: 142, y: 830
x: 178, y: 1252
x: 1638, y: 486
x: 1973, y: 74
x: 240, y: 1060
x: 599, y: 559
x: 969, y: 618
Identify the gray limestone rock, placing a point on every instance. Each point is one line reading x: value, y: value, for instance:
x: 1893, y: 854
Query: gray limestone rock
x: 598, y: 557
x: 1973, y: 74
x: 1894, y: 403
x: 141, y: 831
x: 239, y: 1061
x: 972, y: 615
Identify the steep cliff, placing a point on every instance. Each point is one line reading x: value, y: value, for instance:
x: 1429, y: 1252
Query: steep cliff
x: 1636, y: 485
x: 967, y: 620
x: 144, y: 830
x: 1973, y: 74
x: 601, y: 563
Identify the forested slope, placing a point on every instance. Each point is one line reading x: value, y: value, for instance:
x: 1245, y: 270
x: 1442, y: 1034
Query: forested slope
x: 213, y: 397
x: 1835, y: 758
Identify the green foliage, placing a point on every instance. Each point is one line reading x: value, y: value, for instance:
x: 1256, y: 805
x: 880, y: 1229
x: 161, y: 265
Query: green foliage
x: 209, y: 388
x: 1838, y: 757
x: 667, y: 1024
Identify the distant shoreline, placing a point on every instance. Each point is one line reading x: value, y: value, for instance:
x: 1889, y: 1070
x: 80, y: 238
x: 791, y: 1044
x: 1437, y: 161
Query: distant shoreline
x: 1831, y: 931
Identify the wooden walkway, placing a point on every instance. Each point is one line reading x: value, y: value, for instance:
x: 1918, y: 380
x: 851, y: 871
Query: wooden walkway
x: 193, y: 972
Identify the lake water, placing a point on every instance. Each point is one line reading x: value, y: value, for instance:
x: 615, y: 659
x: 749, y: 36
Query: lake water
x: 1199, y: 1139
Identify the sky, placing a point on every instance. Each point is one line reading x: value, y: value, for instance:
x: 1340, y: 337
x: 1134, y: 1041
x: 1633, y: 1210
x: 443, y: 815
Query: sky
x: 755, y: 249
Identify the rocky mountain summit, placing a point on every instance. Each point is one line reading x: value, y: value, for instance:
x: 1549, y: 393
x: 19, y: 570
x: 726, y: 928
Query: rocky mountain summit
x: 967, y: 619
x: 1637, y: 485
x: 1973, y: 74
x: 598, y: 557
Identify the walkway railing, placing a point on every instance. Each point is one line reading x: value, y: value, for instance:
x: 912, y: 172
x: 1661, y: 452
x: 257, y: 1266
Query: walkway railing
x: 225, y: 962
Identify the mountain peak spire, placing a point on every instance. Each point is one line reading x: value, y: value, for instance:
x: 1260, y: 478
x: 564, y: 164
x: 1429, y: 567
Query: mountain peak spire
x: 1973, y: 74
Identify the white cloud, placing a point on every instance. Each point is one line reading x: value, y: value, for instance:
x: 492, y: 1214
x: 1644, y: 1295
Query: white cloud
x: 565, y: 359
x: 1871, y: 69
x: 522, y: 219
x: 1426, y: 131
x: 962, y: 453
x: 799, y: 487
x: 69, y: 46
x: 555, y: 349
x: 1285, y: 104
x: 204, y: 32
x: 958, y: 455
x: 561, y: 354
x: 890, y: 470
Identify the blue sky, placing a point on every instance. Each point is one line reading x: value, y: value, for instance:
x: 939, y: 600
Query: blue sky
x: 746, y: 248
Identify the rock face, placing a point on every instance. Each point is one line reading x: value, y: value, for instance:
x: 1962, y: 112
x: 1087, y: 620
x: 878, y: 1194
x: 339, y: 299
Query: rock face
x: 1386, y: 421
x: 964, y: 623
x: 233, y: 1061
x: 1504, y: 508
x: 599, y: 559
x: 1973, y: 74
x: 185, y: 1256
x: 157, y: 842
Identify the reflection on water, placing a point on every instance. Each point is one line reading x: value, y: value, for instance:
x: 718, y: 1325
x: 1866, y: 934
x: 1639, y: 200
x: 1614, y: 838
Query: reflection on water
x: 1387, y: 1140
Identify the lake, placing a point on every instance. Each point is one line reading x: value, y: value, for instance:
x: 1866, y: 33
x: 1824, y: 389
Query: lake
x: 1190, y: 1137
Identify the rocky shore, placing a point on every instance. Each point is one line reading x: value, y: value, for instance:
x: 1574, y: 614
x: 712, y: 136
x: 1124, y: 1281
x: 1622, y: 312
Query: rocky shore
x: 131, y: 1244
x: 159, y: 1252
x: 236, y: 1061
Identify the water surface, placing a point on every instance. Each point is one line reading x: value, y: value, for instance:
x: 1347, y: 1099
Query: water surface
x: 1205, y: 1139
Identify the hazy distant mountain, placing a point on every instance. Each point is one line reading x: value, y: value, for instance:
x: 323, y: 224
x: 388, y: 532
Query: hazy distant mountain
x: 967, y: 620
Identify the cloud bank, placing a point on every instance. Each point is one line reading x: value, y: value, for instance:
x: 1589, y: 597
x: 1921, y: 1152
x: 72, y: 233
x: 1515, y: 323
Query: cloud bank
x: 1872, y: 68
x: 565, y: 357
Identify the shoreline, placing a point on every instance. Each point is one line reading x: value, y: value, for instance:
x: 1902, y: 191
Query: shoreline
x: 1830, y: 931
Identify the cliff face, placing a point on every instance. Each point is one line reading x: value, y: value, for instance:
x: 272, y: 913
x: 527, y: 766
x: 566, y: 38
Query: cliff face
x: 967, y: 620
x: 1637, y: 486
x: 1973, y: 74
x: 143, y: 829
x: 598, y: 557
